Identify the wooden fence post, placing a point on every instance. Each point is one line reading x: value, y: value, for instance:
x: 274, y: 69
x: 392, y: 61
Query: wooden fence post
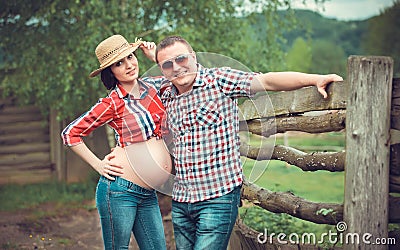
x: 367, y: 152
x: 56, y: 147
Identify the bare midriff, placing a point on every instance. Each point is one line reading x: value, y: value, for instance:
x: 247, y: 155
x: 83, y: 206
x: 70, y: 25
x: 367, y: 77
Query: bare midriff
x: 147, y: 164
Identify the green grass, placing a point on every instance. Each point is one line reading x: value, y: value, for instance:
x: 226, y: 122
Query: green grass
x: 318, y: 186
x: 14, y: 196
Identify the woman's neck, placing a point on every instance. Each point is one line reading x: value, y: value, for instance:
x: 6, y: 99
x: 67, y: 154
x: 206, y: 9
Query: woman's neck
x: 131, y: 87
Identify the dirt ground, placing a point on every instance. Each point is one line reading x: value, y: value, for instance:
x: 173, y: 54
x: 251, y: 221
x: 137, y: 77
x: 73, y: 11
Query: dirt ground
x: 46, y: 227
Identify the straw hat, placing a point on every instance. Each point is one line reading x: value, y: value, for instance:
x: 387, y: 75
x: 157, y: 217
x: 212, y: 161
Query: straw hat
x: 113, y: 49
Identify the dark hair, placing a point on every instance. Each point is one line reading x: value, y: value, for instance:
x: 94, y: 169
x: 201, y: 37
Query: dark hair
x: 108, y: 78
x: 169, y: 41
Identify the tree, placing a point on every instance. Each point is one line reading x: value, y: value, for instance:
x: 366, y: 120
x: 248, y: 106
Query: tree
x: 383, y: 35
x: 327, y: 58
x: 299, y: 56
x: 48, y: 45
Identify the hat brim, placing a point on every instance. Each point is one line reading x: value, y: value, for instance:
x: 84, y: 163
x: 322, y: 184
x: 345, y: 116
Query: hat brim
x: 132, y: 48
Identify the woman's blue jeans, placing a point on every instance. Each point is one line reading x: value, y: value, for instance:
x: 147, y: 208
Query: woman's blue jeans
x: 125, y: 207
x: 206, y: 224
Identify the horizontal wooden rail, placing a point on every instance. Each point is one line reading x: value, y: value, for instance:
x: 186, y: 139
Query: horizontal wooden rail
x: 317, y: 212
x: 293, y: 102
x: 326, y: 122
x: 287, y: 202
x: 330, y: 161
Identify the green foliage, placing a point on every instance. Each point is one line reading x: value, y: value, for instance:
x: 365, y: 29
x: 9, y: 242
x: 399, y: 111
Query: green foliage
x: 382, y: 37
x: 47, y: 47
x: 299, y: 56
x: 313, y: 26
x: 327, y: 58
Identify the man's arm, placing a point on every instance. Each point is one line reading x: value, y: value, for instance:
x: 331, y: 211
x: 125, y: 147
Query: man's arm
x: 284, y: 81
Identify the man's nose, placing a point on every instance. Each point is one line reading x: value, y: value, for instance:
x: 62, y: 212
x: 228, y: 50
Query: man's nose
x: 175, y: 66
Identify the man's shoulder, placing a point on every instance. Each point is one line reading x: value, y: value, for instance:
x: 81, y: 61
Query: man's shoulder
x: 166, y: 90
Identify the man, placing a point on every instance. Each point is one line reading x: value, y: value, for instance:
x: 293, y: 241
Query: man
x: 202, y: 115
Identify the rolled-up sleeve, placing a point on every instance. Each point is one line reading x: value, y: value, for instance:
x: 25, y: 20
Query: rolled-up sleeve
x: 99, y: 114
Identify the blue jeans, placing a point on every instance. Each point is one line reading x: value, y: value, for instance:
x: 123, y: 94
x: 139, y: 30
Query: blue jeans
x: 125, y: 207
x: 206, y: 224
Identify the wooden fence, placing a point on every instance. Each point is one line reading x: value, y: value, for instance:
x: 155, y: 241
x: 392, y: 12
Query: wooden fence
x: 367, y: 106
x: 31, y: 149
x: 24, y: 144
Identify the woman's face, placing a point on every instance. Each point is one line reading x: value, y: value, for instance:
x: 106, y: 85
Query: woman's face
x: 126, y: 70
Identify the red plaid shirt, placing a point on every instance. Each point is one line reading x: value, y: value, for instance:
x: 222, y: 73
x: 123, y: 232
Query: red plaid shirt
x: 133, y: 120
x: 204, y: 125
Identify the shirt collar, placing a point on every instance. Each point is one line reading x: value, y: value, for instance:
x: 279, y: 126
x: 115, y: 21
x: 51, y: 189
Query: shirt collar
x: 122, y: 93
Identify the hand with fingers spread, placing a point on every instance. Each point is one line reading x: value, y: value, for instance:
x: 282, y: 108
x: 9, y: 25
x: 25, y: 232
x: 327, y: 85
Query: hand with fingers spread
x: 108, y: 169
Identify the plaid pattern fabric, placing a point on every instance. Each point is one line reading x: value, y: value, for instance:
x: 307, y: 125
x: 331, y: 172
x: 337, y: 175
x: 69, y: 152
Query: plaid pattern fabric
x: 133, y: 120
x: 204, y: 126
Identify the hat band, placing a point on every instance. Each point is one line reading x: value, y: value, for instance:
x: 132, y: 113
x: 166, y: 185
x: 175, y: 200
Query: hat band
x: 104, y: 57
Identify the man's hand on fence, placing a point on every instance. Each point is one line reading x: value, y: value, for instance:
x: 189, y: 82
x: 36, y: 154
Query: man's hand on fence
x: 324, y: 81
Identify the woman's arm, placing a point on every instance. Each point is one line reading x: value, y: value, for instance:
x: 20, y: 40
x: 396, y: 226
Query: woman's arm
x: 103, y: 167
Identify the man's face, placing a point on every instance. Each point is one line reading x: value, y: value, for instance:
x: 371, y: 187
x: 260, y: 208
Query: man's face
x: 179, y: 65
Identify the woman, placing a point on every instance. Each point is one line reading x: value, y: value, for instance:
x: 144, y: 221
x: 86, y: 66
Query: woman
x: 125, y: 198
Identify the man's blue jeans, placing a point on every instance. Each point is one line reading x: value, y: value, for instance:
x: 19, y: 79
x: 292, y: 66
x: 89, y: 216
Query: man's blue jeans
x: 125, y: 207
x: 206, y: 224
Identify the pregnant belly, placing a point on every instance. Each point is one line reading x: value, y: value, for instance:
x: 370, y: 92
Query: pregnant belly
x: 149, y: 160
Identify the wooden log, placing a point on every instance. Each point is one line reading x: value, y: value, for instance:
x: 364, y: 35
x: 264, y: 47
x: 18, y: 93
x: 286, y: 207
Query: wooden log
x: 25, y: 117
x: 25, y: 148
x: 25, y: 177
x: 394, y: 209
x: 28, y: 166
x: 329, y: 161
x: 394, y: 183
x: 395, y: 159
x: 57, y: 152
x: 292, y: 102
x: 25, y: 137
x: 367, y: 147
x: 286, y: 202
x: 327, y: 122
x: 395, y: 109
x: 18, y: 127
x: 16, y: 159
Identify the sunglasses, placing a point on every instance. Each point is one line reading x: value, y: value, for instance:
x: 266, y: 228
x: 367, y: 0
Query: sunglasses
x: 181, y: 60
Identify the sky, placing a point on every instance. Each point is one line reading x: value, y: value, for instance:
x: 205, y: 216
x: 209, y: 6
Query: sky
x: 346, y: 10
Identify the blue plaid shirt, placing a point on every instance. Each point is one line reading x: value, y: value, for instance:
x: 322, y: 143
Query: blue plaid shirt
x: 204, y: 126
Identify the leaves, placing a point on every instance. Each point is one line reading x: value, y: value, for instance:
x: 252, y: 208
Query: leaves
x: 47, y: 47
x: 324, y: 211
